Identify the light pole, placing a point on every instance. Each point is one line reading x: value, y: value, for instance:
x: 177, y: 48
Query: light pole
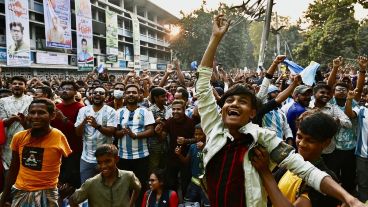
x: 265, y: 32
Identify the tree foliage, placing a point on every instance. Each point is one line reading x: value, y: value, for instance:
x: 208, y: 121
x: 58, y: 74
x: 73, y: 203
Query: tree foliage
x: 234, y: 51
x: 333, y: 32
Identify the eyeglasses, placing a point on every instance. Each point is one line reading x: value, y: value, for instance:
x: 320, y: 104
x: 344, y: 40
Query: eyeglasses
x: 341, y: 89
x: 98, y: 92
x: 66, y: 89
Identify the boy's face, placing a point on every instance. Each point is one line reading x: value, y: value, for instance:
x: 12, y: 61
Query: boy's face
x: 308, y: 147
x: 199, y: 135
x: 107, y: 164
x: 237, y: 111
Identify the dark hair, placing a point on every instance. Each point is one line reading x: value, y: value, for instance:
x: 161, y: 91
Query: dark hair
x: 49, y: 104
x: 161, y: 176
x: 106, y: 149
x: 239, y: 89
x: 158, y: 91
x: 342, y: 84
x: 83, y: 40
x: 19, y: 78
x: 46, y: 90
x: 132, y: 85
x: 16, y: 24
x: 72, y: 83
x: 320, y: 86
x: 46, y: 83
x: 184, y: 92
x: 178, y: 101
x: 121, y: 83
x: 318, y: 125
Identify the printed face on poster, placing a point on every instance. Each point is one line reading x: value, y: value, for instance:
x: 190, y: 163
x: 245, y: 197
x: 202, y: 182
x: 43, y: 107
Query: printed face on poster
x: 84, y: 35
x: 17, y: 30
x: 57, y: 23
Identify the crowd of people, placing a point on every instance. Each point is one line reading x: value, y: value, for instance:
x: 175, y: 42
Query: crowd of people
x: 210, y: 137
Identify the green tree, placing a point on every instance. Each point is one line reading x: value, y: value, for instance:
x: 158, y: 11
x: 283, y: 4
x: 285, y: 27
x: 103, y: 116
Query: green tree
x: 332, y: 32
x: 235, y: 50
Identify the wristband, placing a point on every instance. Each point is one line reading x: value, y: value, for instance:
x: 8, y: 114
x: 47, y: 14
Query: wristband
x: 98, y: 127
x: 268, y: 76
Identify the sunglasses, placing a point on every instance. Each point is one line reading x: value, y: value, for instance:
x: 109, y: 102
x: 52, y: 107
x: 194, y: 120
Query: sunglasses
x: 98, y: 92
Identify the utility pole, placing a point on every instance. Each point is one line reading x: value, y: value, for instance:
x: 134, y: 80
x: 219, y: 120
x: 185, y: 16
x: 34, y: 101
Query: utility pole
x: 277, y: 35
x: 265, y: 32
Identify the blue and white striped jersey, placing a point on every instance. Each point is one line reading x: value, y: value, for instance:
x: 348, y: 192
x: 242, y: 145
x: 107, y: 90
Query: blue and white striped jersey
x: 276, y: 120
x: 362, y: 142
x: 92, y: 138
x: 137, y: 121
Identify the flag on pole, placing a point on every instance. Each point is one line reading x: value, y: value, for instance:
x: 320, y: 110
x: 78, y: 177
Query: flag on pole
x: 309, y: 73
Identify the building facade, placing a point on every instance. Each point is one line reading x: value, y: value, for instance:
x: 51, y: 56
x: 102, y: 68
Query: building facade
x: 153, y: 37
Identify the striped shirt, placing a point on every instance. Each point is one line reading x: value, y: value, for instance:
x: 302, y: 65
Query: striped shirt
x: 135, y: 120
x: 276, y: 120
x: 93, y: 138
x: 362, y: 142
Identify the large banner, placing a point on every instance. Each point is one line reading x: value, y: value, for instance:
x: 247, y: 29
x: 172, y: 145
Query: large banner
x: 136, y: 42
x: 17, y: 30
x: 84, y: 34
x: 112, y: 44
x: 57, y: 23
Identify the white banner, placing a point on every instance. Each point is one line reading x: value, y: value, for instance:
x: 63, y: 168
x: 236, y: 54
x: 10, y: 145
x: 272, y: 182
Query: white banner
x: 112, y: 44
x: 51, y: 58
x: 84, y: 34
x: 136, y: 42
x: 57, y: 23
x: 17, y: 30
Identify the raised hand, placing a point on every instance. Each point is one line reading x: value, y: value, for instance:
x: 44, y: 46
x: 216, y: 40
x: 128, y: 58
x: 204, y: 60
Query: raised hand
x: 279, y: 59
x: 220, y: 26
x: 337, y: 62
x: 351, y: 94
x: 363, y: 62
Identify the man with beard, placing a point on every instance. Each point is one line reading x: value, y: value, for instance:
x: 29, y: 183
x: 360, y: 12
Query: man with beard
x: 13, y: 110
x: 96, y: 124
x: 66, y: 116
x: 302, y: 96
x: 180, y: 129
x: 36, y: 159
x: 134, y: 126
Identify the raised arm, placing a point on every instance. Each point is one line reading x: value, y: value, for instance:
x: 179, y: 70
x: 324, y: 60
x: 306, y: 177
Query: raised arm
x: 262, y: 93
x: 179, y: 73
x: 337, y: 62
x: 363, y: 62
x: 289, y: 90
x: 207, y: 106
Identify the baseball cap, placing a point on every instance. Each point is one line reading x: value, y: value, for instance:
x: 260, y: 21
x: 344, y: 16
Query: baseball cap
x: 301, y: 89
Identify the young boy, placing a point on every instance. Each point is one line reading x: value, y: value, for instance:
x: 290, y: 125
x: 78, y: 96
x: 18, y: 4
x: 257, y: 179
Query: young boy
x: 112, y: 186
x: 311, y: 138
x: 194, y: 156
x: 230, y: 179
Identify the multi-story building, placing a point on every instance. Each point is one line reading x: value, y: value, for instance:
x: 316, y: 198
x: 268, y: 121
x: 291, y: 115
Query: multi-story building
x: 155, y: 52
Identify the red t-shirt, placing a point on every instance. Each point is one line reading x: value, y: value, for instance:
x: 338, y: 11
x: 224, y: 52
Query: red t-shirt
x: 68, y: 129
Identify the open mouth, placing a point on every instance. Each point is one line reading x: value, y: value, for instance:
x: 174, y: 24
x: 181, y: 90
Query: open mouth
x: 233, y: 113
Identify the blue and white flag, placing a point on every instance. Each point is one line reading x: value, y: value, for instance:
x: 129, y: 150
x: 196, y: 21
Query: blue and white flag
x: 293, y: 67
x: 309, y: 73
x: 100, y: 68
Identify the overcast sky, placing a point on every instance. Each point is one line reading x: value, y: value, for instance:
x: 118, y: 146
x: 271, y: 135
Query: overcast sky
x: 292, y: 8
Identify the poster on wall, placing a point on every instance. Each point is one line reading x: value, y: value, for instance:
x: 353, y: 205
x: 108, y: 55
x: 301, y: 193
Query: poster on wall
x: 58, y: 31
x: 136, y: 42
x: 112, y: 45
x: 84, y: 35
x: 17, y: 30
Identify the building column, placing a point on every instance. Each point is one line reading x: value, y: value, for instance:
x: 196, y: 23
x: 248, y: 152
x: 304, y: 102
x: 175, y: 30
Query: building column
x: 122, y: 4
